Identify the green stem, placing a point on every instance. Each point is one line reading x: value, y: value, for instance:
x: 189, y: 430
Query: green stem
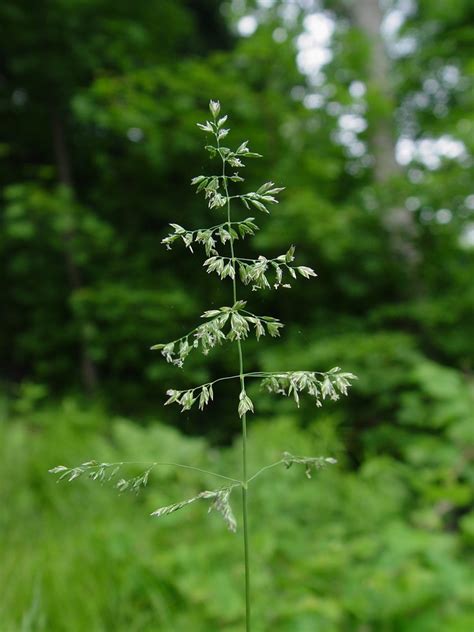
x: 282, y: 263
x: 263, y: 469
x: 257, y: 374
x: 197, y: 230
x: 198, y: 469
x: 244, y: 417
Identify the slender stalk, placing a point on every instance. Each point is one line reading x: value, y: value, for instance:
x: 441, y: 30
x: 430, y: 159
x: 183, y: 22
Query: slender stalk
x: 263, y: 469
x: 244, y: 419
x: 185, y: 467
x: 256, y: 374
x: 197, y: 230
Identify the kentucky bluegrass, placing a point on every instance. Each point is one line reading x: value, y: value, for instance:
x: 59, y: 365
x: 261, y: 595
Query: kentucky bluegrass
x: 229, y: 324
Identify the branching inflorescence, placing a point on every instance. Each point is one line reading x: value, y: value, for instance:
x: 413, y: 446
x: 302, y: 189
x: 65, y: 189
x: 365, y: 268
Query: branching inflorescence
x: 231, y: 324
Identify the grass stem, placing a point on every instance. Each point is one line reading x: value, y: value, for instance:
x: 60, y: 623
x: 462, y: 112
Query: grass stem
x: 244, y: 423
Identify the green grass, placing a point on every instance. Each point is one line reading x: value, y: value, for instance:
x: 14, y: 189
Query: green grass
x: 333, y: 553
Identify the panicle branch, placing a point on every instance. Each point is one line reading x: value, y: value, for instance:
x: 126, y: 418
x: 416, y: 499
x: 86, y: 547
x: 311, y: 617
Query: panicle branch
x: 235, y: 319
x: 220, y: 503
x: 255, y: 271
x: 319, y: 385
x: 310, y: 462
x: 208, y: 237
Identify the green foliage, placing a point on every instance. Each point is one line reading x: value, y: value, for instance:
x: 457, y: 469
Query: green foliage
x: 147, y: 85
x: 345, y: 549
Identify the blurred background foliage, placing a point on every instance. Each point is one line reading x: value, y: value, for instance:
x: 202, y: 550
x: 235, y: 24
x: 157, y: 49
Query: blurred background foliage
x: 365, y: 114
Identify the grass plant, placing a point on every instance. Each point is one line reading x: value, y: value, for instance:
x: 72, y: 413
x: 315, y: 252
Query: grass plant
x: 230, y: 324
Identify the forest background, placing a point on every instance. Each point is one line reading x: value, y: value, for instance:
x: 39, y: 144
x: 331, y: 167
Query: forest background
x: 365, y: 114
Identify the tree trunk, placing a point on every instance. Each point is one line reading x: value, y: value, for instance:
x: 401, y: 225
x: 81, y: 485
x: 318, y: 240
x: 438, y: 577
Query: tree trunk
x: 398, y: 221
x: 88, y: 368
